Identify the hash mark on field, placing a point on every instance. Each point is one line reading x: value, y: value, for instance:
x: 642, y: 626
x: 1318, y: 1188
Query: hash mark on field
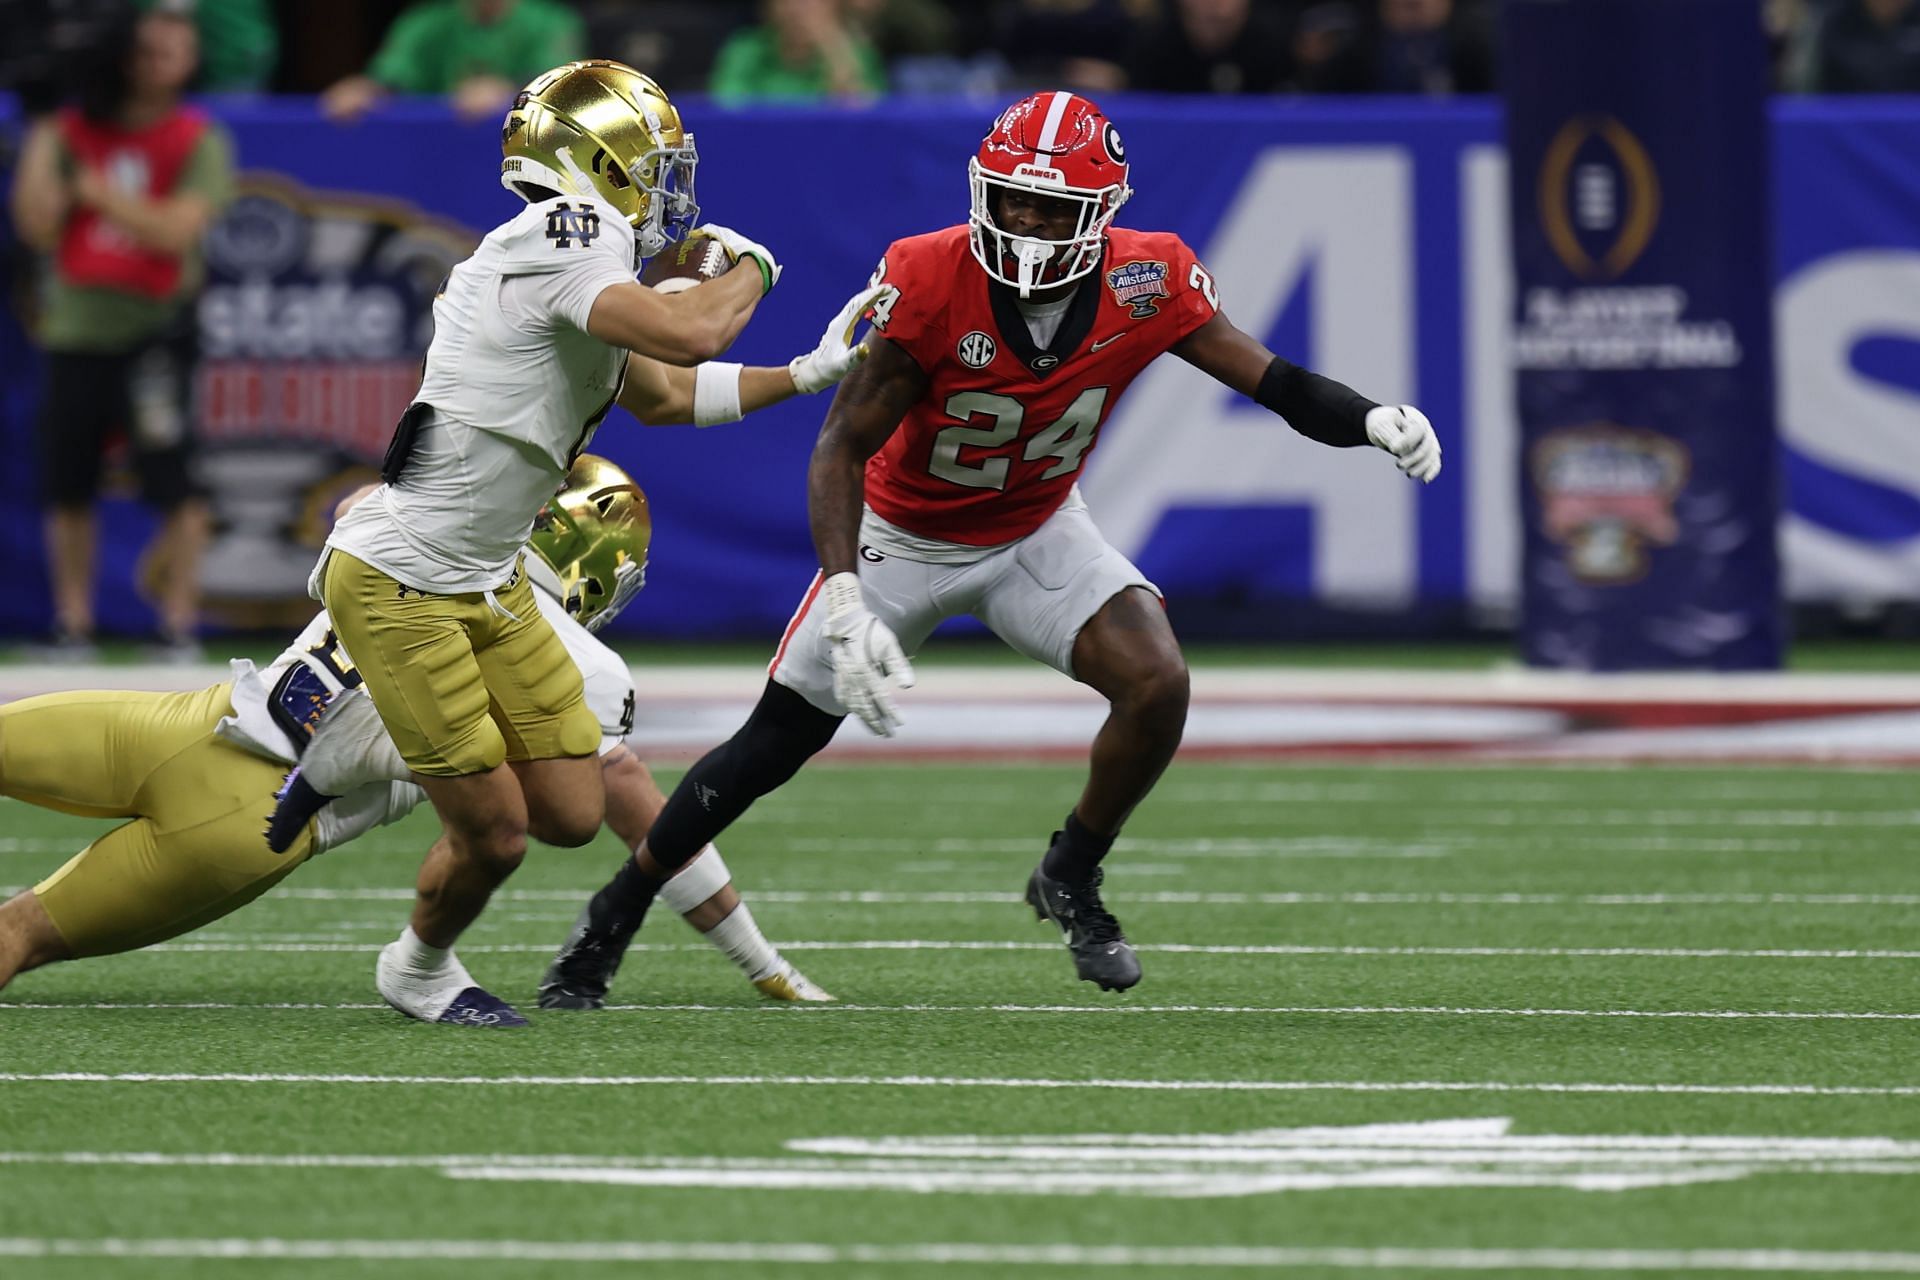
x: 1167, y: 948
x: 1252, y: 1257
x: 979, y: 1082
x: 830, y: 1010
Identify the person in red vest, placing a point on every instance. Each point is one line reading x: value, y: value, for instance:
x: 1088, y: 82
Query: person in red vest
x: 118, y: 191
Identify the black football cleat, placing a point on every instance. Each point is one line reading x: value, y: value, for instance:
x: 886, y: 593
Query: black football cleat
x: 349, y: 748
x: 1100, y: 951
x: 583, y: 969
x: 296, y: 804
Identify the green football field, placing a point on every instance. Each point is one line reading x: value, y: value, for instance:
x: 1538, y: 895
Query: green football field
x: 1396, y: 1021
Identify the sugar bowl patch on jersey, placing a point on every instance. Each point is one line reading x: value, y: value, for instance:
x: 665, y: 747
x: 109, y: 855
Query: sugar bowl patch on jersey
x: 1139, y: 285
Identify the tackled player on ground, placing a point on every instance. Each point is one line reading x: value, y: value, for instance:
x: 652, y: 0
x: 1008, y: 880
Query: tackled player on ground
x: 193, y: 772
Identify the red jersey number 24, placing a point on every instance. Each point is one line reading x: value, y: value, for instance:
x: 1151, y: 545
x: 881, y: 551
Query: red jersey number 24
x: 1068, y: 439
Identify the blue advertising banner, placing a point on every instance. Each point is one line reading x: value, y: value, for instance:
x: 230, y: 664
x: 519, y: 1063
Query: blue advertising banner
x: 1643, y: 341
x: 1847, y: 307
x: 1365, y: 239
x: 319, y: 278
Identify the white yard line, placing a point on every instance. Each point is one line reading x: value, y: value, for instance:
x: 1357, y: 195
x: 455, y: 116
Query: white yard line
x: 886, y: 897
x: 1426, y: 844
x: 782, y: 1009
x: 1243, y: 1258
x: 933, y: 898
x: 1168, y: 948
x: 973, y: 1082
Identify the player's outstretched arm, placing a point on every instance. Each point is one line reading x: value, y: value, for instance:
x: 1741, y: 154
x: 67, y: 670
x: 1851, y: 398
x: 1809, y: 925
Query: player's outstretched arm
x: 1315, y: 406
x: 714, y: 392
x: 866, y: 655
x: 865, y: 412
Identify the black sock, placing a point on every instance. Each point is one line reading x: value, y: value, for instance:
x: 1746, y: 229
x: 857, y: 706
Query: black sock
x: 1077, y: 852
x: 622, y: 902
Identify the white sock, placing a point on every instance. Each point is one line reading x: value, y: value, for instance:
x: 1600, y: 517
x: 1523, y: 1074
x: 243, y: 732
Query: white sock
x: 418, y: 956
x: 745, y: 945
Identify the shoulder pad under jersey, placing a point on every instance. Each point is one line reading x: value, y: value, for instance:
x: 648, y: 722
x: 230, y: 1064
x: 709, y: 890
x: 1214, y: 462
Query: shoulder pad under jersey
x: 557, y: 234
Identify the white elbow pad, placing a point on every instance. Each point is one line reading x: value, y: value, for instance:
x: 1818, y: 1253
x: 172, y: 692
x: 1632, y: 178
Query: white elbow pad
x: 716, y: 393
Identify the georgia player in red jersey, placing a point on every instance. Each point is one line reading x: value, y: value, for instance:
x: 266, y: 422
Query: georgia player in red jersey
x: 943, y: 484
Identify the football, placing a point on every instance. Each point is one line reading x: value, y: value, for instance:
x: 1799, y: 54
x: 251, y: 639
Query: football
x: 687, y: 263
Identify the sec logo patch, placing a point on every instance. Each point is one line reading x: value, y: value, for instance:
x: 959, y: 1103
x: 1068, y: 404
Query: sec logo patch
x: 976, y: 350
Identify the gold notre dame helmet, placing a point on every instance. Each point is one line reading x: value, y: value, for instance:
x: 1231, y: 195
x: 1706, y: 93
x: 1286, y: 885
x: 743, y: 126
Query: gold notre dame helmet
x: 602, y: 129
x: 594, y: 535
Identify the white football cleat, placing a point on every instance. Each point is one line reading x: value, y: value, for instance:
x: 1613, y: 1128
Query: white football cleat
x: 788, y: 983
x: 446, y: 994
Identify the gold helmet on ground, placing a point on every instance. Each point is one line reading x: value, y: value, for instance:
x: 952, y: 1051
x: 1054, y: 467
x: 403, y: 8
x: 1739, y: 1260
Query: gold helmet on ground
x: 603, y: 129
x: 593, y: 534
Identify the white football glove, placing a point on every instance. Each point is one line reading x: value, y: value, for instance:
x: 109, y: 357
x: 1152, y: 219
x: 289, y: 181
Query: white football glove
x: 866, y: 656
x: 1404, y: 432
x: 837, y: 353
x: 738, y: 246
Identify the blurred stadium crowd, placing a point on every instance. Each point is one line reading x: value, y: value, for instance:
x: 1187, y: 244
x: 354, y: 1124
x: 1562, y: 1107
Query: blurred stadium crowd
x: 355, y: 52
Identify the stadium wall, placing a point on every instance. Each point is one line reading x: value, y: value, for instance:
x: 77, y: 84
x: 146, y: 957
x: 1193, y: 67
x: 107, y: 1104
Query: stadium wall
x: 1367, y: 239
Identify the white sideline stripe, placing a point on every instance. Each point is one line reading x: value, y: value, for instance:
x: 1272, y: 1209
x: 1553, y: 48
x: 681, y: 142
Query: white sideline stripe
x: 887, y: 897
x: 980, y: 1082
x: 1254, y: 1257
x: 776, y: 1009
x: 884, y: 897
x: 1168, y: 948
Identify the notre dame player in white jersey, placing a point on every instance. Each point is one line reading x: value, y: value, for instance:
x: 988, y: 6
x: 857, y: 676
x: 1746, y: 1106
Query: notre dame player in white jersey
x: 193, y: 771
x: 537, y: 336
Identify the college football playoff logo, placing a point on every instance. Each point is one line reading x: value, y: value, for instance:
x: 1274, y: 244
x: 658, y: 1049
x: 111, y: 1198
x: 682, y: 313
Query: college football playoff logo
x: 1599, y: 197
x: 976, y: 350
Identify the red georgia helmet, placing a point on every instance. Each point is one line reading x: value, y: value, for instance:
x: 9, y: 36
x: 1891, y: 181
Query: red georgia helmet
x: 1053, y: 144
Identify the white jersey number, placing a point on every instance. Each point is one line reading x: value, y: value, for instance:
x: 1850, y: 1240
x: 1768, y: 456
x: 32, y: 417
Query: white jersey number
x: 1068, y: 438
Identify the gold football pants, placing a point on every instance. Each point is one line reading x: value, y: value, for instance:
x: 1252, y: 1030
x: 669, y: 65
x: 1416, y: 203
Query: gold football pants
x: 194, y: 849
x: 460, y: 682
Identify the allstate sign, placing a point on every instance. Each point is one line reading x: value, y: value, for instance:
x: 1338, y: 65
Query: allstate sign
x: 1847, y: 316
x: 1368, y: 240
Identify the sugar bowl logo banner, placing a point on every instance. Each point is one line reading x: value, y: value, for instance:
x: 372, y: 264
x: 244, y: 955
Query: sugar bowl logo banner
x: 315, y: 319
x: 1642, y: 333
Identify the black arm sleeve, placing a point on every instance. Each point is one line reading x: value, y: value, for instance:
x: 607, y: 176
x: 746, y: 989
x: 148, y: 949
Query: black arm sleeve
x: 1318, y: 408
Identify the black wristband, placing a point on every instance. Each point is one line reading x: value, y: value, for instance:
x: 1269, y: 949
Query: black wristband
x: 1318, y: 408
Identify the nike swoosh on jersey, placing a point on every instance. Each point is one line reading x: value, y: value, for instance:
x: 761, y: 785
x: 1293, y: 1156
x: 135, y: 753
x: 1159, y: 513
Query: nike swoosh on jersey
x: 1107, y: 341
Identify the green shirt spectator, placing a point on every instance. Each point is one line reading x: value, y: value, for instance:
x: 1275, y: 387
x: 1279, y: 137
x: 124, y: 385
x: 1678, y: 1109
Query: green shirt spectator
x: 90, y: 318
x: 436, y: 45
x: 801, y: 52
x: 477, y: 52
x: 239, y: 45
